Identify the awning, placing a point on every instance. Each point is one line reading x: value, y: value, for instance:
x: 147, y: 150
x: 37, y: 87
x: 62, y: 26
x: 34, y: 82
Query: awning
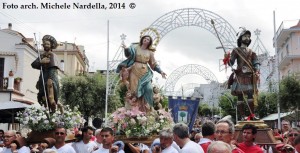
x: 274, y: 116
x: 13, y: 105
x: 8, y: 110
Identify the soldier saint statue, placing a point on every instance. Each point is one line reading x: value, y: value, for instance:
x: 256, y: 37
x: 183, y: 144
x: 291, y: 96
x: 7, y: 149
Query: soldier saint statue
x: 244, y: 82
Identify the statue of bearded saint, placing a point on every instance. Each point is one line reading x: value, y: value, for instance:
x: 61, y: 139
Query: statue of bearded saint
x: 244, y: 83
x: 48, y: 80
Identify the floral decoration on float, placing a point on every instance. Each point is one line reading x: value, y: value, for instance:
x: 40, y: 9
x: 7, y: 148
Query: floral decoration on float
x: 41, y: 123
x: 136, y: 124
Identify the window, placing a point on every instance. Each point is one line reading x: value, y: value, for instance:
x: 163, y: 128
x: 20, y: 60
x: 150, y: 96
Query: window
x: 287, y: 49
x: 299, y: 41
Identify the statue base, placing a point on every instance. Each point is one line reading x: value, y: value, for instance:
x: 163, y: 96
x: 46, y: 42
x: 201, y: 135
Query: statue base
x: 38, y: 137
x: 145, y: 140
x: 264, y: 135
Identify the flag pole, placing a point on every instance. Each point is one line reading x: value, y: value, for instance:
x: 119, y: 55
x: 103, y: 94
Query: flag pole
x: 275, y: 43
x: 107, y: 75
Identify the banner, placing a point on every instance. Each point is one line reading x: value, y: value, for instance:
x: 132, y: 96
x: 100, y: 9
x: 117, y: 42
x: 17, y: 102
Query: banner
x: 184, y: 110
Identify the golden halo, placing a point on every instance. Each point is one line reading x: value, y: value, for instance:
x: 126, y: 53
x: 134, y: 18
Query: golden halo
x: 153, y: 33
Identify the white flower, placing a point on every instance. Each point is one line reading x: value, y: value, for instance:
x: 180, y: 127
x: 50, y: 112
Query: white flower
x: 26, y: 118
x: 132, y: 121
x: 144, y: 118
x: 157, y: 125
x: 34, y: 121
x: 44, y: 117
x: 147, y: 131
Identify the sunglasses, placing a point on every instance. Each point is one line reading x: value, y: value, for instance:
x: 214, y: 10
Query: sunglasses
x: 293, y: 134
x: 59, y: 133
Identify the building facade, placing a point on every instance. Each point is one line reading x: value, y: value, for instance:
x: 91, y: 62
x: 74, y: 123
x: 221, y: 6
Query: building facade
x: 16, y: 55
x: 72, y: 58
x: 287, y: 42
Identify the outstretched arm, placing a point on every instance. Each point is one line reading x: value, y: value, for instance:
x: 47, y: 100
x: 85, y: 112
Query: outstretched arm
x: 126, y: 50
x: 157, y: 69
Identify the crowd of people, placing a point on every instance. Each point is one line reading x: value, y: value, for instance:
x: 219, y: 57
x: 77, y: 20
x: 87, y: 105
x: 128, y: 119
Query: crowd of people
x: 210, y: 138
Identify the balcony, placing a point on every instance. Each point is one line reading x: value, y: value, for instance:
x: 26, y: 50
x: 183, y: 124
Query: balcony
x: 285, y: 30
x: 286, y: 61
x: 3, y: 83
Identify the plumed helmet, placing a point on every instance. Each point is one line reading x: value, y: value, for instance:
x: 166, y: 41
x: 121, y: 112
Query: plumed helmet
x: 242, y: 33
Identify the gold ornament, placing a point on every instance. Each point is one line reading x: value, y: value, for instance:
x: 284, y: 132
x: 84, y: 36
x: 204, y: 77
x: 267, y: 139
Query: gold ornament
x: 153, y: 33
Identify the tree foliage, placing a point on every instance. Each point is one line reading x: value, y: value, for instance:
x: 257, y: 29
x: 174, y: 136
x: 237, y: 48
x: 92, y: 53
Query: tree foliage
x: 228, y: 104
x: 88, y: 93
x: 267, y: 104
x: 289, y: 93
x: 204, y: 109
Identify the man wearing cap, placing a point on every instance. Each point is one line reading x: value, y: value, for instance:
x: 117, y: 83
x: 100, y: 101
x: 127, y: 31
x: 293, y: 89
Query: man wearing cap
x: 98, y: 140
x: 244, y: 84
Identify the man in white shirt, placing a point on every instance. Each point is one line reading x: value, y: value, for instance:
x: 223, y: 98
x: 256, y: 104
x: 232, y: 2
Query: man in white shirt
x: 60, y: 145
x: 85, y: 145
x: 107, y: 135
x: 181, y: 137
x: 165, y: 145
x: 9, y: 147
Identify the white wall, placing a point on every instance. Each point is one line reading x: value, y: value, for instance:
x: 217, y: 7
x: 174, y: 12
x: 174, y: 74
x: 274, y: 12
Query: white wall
x: 29, y: 75
x: 20, y: 63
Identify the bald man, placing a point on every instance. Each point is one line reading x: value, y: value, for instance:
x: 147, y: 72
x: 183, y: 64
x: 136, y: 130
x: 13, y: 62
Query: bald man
x: 219, y: 147
x: 9, y: 147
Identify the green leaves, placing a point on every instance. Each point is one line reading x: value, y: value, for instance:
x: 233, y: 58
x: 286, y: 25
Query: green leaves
x: 289, y: 93
x: 87, y: 92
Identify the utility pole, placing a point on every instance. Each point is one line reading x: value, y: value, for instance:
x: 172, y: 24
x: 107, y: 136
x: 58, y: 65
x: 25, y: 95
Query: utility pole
x: 278, y: 72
